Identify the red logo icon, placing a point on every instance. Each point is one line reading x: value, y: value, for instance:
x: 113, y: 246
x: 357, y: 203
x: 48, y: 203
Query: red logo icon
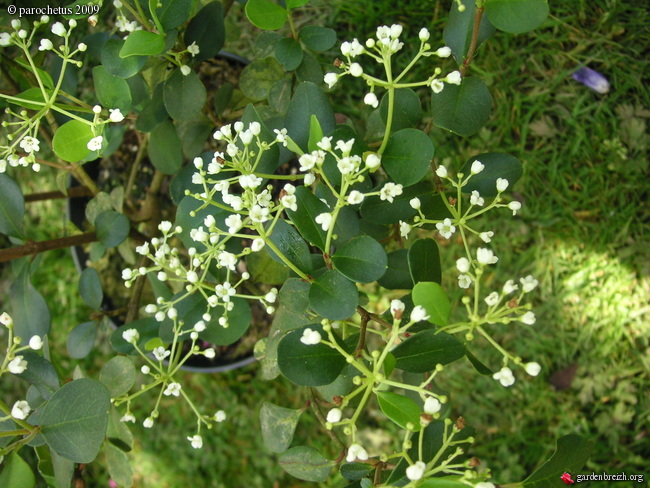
x: 566, y: 477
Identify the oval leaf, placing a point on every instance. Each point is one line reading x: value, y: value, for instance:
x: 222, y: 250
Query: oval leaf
x: 278, y: 425
x: 318, y: 38
x: 397, y: 276
x: 309, y: 207
x: 184, y: 96
x: 379, y: 211
x: 90, y: 288
x: 81, y: 339
x: 306, y: 463
x: 258, y: 77
x: 400, y: 409
x: 112, y: 228
x: 30, y: 311
x: 361, y: 259
x: 289, y: 242
x: 333, y: 296
x: 407, y: 109
x: 207, y: 30
x: 40, y: 373
x: 424, y: 261
x: 165, y: 150
x: 407, y: 156
x: 118, y: 375
x: 12, y: 207
x: 433, y: 298
x: 570, y: 456
x: 143, y: 43
x: 496, y: 165
x: 70, y: 141
x: 289, y: 53
x: 516, y: 16
x: 117, y: 65
x: 459, y: 28
x: 16, y: 473
x: 265, y: 14
x: 111, y: 91
x: 308, y: 100
x: 463, y: 108
x: 421, y: 352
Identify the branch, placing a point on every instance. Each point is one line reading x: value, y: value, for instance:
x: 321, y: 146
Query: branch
x: 38, y: 247
x: 73, y: 192
x: 478, y: 15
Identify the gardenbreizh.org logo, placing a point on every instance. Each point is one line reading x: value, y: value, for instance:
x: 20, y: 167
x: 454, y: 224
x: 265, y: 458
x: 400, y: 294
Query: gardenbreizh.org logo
x: 579, y: 478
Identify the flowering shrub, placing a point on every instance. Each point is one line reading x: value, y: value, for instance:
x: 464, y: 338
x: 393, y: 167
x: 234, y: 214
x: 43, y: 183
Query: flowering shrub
x: 360, y: 311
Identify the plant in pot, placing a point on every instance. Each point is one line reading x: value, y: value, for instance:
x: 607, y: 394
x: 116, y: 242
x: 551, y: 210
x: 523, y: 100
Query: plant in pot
x: 334, y: 236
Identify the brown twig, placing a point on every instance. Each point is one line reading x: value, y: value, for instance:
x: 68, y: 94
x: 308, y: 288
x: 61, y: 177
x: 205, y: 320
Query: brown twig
x: 321, y: 418
x: 134, y: 303
x: 37, y: 247
x: 365, y: 317
x: 74, y: 192
x: 478, y: 15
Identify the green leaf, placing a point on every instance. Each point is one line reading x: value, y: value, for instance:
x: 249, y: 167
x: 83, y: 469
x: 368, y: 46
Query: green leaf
x: 309, y: 207
x: 90, y: 288
x: 16, y: 473
x: 40, y: 373
x: 407, y: 109
x: 257, y: 78
x: 12, y: 207
x: 33, y: 94
x: 74, y: 420
x: 424, y: 261
x: 289, y: 53
x: 184, y: 96
x: 478, y: 365
x: 400, y: 409
x: 193, y: 134
x: 291, y: 4
x: 265, y: 44
x: 496, y: 165
x: 264, y: 269
x: 421, y: 352
x: 112, y: 228
x: 463, y: 108
x: 173, y: 13
x: 306, y: 463
x: 397, y: 276
x: 111, y: 91
x: 265, y: 14
x: 516, y: 16
x: 308, y: 100
x: 191, y: 309
x: 308, y: 365
x: 361, y: 259
x: 291, y: 245
x: 379, y: 211
x: 30, y: 311
x: 117, y: 432
x: 117, y: 65
x: 315, y: 133
x: 143, y: 43
x: 309, y: 70
x: 81, y: 339
x: 333, y: 296
x: 153, y: 113
x: 119, y: 466
x: 355, y: 471
x: 147, y: 328
x: 318, y: 38
x: 165, y: 150
x: 118, y: 375
x: 70, y: 141
x: 433, y: 298
x: 207, y: 30
x: 570, y: 456
x: 459, y: 28
x: 278, y: 425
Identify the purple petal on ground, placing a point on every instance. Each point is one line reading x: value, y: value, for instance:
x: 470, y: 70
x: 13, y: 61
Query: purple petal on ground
x: 592, y: 79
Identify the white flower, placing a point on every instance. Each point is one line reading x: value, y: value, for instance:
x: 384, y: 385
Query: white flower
x: 97, y: 109
x: 441, y: 171
x: 165, y: 226
x: 432, y: 405
x: 310, y: 337
x: 20, y: 410
x: 259, y: 214
x: 532, y: 369
x: 444, y: 52
x: 36, y: 343
x: 115, y: 115
x: 145, y: 369
x: 186, y: 70
x: 528, y: 318
x: 5, y: 39
x: 415, y: 203
x: 161, y: 353
x: 197, y: 441
x: 397, y: 308
x: 257, y: 244
x: 502, y: 184
x: 477, y: 167
x: 173, y: 389
x: 484, y: 484
x: 345, y: 146
x: 373, y: 161
x: 476, y: 199
x: 325, y: 220
x: 246, y: 137
x: 395, y: 31
x: 128, y: 417
x: 462, y: 264
x: 193, y: 49
x: 464, y: 281
x: 355, y: 48
x: 485, y: 256
x: 309, y: 179
x: 515, y: 206
x: 418, y: 314
x: 453, y: 78
x: 210, y: 353
x: 58, y: 29
x: 404, y: 229
x: 325, y: 143
x: 148, y: 423
x: 446, y: 228
x: 46, y: 45
x: 492, y: 299
x: 356, y: 69
x: 424, y: 34
x: 271, y: 296
x: 486, y: 236
x: 355, y: 197
x: 290, y: 202
x: 131, y: 336
x: 6, y: 320
x: 220, y: 416
x: 331, y: 79
x: 82, y: 47
x: 95, y: 144
x: 528, y: 283
x: 437, y: 86
x: 389, y: 191
x: 356, y: 452
x: 234, y: 223
x: 334, y: 415
x: 416, y: 471
x: 505, y: 377
x: 371, y: 99
x: 509, y: 287
x: 30, y: 144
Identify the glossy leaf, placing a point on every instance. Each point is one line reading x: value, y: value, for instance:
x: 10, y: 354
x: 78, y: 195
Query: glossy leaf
x: 308, y: 100
x: 397, y: 276
x: 306, y: 463
x: 309, y: 207
x: 239, y: 318
x: 111, y: 91
x: 516, y: 16
x: 380, y: 211
x: 318, y: 38
x: 12, y: 207
x: 289, y: 53
x: 142, y: 43
x: 118, y: 65
x: 30, y: 311
x: 407, y: 109
x: 278, y: 425
x: 433, y: 298
x: 310, y: 70
x: 265, y: 14
x: 40, y: 373
x: 165, y: 150
x: 571, y: 454
x: 463, y: 108
x: 74, y: 420
x: 70, y: 141
x: 118, y: 375
x: 424, y: 261
x: 308, y: 365
x: 496, y: 165
x: 361, y: 259
x: 207, y: 30
x: 459, y: 28
x: 421, y: 352
x: 264, y: 269
x: 16, y: 473
x: 257, y: 78
x: 407, y: 156
x: 184, y: 95
x: 173, y: 13
x: 478, y: 365
x: 117, y: 432
x: 81, y: 340
x: 291, y: 245
x: 291, y: 4
x: 90, y: 288
x: 119, y: 466
x: 400, y: 409
x: 333, y: 296
x: 30, y: 95
x: 153, y: 113
x: 355, y: 471
x: 193, y: 134
x: 112, y: 228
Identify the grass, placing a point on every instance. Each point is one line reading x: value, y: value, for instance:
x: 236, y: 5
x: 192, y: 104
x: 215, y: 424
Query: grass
x: 583, y: 232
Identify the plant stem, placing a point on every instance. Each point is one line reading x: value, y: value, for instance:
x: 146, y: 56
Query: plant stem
x: 478, y: 15
x: 38, y: 247
x: 74, y: 192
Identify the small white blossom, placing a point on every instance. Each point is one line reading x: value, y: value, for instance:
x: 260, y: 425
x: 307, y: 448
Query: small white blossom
x: 397, y: 308
x: 464, y: 281
x: 437, y: 86
x: 528, y: 318
x: 486, y: 236
x: 373, y: 161
x: 404, y: 229
x: 145, y: 369
x: 389, y: 191
x: 310, y: 337
x: 95, y: 144
x: 416, y: 471
x: 462, y: 264
x: 271, y: 296
x: 160, y: 353
x: 355, y: 452
x: 6, y: 320
x: 444, y: 52
x: 432, y: 405
x: 355, y: 197
x: 484, y: 484
x: 197, y: 441
x: 492, y: 299
x: 36, y: 343
x: 325, y: 220
x: 58, y: 29
x: 424, y: 34
x: 173, y: 389
x: 356, y: 69
x: 97, y: 109
x: 532, y: 369
x: 128, y: 417
x: 485, y: 256
x: 115, y: 115
x: 415, y: 203
x: 259, y: 214
x: 186, y: 70
x: 325, y: 143
x: 210, y: 353
x: 148, y: 423
x: 82, y: 47
x: 131, y: 335
x: 220, y: 416
x: 477, y: 167
x: 515, y: 206
x: 441, y: 171
x: 5, y: 39
x: 234, y: 223
x: 371, y: 99
x: 46, y: 45
x: 502, y: 184
x: 20, y: 410
x: 334, y: 415
x: 504, y: 376
x: 30, y: 144
x: 528, y: 283
x: 446, y: 228
x: 509, y: 287
x: 476, y: 199
x: 257, y: 244
x: 453, y: 78
x: 419, y: 313
x: 193, y: 49
x: 331, y: 79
